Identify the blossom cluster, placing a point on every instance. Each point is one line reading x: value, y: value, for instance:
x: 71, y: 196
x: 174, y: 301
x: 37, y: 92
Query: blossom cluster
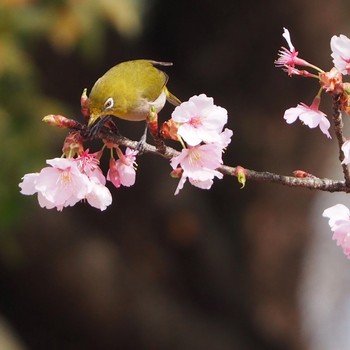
x: 70, y: 180
x: 197, y: 124
x: 330, y: 82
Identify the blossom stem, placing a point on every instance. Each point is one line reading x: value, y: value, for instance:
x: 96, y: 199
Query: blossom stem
x: 119, y: 152
x: 338, y: 129
x: 181, y: 142
x: 316, y: 68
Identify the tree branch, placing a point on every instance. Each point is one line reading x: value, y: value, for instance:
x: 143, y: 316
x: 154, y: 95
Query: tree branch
x: 338, y: 128
x: 311, y: 182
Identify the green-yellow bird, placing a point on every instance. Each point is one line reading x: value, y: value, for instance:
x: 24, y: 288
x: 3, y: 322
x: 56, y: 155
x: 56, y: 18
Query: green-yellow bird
x: 129, y: 90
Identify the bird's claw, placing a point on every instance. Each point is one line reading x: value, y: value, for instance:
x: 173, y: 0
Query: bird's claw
x: 141, y: 145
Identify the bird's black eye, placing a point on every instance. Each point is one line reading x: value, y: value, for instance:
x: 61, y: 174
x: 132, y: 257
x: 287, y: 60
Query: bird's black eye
x: 109, y: 103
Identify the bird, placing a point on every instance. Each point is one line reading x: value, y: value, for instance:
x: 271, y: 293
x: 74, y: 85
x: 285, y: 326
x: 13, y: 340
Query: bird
x: 130, y: 90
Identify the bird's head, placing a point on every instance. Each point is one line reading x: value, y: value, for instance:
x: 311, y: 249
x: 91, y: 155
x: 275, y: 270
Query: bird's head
x: 99, y: 107
x: 103, y: 99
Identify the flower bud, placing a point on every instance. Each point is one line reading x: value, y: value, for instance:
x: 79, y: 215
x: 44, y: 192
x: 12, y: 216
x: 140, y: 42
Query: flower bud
x: 73, y: 144
x: 176, y: 173
x: 240, y: 172
x: 168, y: 130
x: 60, y: 121
x: 301, y: 174
x: 84, y: 102
x: 332, y: 81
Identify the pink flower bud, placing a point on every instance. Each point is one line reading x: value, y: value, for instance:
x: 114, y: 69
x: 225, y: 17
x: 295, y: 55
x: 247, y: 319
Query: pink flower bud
x: 84, y: 102
x: 332, y: 81
x: 240, y: 172
x: 168, y: 130
x: 60, y: 121
x: 301, y: 174
x: 176, y: 173
x: 73, y: 144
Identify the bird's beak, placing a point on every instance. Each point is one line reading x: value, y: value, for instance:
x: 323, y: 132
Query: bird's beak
x: 93, y: 118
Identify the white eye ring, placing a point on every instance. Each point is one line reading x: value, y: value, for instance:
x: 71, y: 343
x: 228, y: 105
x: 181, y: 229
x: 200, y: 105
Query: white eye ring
x: 109, y: 103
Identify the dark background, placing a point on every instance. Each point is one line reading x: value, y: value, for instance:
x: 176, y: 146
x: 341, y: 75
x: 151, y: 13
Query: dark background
x: 216, y: 269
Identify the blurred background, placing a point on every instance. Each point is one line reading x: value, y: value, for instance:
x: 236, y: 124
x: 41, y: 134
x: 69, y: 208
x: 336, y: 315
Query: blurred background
x: 223, y: 269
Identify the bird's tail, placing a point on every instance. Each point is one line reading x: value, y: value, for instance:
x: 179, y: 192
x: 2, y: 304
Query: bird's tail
x: 171, y: 98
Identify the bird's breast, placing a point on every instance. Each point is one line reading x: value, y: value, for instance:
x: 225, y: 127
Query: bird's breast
x: 141, y: 110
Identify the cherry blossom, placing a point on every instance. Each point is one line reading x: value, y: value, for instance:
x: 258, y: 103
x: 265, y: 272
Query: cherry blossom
x: 346, y: 150
x: 99, y: 196
x: 88, y: 164
x: 199, y: 120
x: 309, y: 115
x: 340, y: 46
x: 67, y: 182
x: 339, y: 221
x: 225, y: 138
x: 60, y: 185
x: 199, y: 164
x: 288, y: 59
x: 122, y: 171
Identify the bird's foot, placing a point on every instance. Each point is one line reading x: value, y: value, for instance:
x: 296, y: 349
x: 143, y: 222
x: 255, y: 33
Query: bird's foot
x: 141, y: 145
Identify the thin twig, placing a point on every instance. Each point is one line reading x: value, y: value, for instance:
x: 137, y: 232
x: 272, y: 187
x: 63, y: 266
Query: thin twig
x: 338, y: 128
x: 312, y: 182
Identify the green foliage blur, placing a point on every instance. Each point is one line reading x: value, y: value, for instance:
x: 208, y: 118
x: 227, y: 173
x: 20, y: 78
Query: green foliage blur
x: 65, y: 25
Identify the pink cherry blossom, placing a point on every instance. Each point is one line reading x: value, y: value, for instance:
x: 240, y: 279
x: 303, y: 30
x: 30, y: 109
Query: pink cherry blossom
x: 225, y: 138
x: 309, y: 115
x: 67, y: 182
x: 90, y: 166
x: 59, y: 186
x: 199, y: 164
x: 340, y: 46
x: 28, y: 184
x: 288, y: 59
x: 122, y: 171
x: 339, y: 221
x: 99, y: 196
x: 346, y: 150
x: 199, y: 120
x: 28, y: 188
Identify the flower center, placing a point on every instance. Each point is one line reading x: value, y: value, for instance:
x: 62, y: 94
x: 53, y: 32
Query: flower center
x: 195, y: 157
x: 196, y: 121
x: 65, y: 177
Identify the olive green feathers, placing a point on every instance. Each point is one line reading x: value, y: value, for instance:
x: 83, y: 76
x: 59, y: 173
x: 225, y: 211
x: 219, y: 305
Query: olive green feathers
x: 129, y: 90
